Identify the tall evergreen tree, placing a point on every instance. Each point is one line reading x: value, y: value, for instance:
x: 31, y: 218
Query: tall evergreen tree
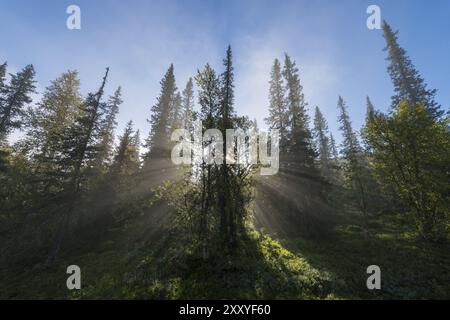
x: 81, y: 139
x: 370, y: 108
x: 106, y: 135
x: 334, y: 150
x: 208, y: 96
x: 322, y: 142
x: 55, y: 113
x: 408, y: 84
x: 188, y: 104
x: 209, y: 99
x: 226, y: 115
x: 126, y: 161
x: 278, y: 113
x: 336, y: 174
x: 137, y: 147
x: 300, y: 137
x: 354, y: 170
x: 176, y: 118
x: 159, y: 137
x: 227, y: 92
x: 14, y: 97
x: 79, y: 145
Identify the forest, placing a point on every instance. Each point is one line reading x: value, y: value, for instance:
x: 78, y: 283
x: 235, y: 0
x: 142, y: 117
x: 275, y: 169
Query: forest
x: 75, y: 192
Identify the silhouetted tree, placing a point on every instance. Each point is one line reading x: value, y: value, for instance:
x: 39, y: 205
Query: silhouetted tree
x: 159, y: 137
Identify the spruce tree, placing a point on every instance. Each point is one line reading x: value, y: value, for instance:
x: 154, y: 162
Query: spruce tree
x: 227, y: 92
x: 137, y: 148
x: 370, y: 108
x: 322, y: 142
x: 106, y: 134
x: 2, y: 77
x: 408, y: 83
x: 188, y: 104
x: 79, y: 149
x: 159, y: 137
x: 176, y: 118
x: 278, y: 113
x: 226, y: 114
x: 49, y: 122
x: 352, y: 155
x: 82, y: 138
x: 334, y: 150
x: 209, y: 99
x: 208, y: 96
x: 14, y: 97
x: 126, y: 161
x: 300, y: 137
x: 336, y: 174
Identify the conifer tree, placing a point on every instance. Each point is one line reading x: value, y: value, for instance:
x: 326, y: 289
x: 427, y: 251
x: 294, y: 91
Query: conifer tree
x: 278, y: 113
x: 79, y: 145
x: 137, y: 147
x: 188, y: 104
x: 209, y: 99
x: 2, y: 77
x: 123, y: 173
x: 49, y: 122
x: 176, y: 118
x: 353, y: 158
x: 322, y: 142
x: 408, y: 83
x: 159, y: 137
x: 300, y: 137
x: 334, y: 151
x: 106, y: 134
x: 370, y: 108
x: 226, y: 115
x: 336, y: 174
x: 126, y: 161
x: 14, y: 97
x: 208, y: 96
x: 81, y: 140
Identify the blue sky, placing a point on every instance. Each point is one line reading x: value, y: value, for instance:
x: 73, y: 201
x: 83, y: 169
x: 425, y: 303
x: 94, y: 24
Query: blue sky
x: 334, y: 50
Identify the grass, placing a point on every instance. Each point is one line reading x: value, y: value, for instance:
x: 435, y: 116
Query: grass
x: 410, y: 269
x: 261, y: 268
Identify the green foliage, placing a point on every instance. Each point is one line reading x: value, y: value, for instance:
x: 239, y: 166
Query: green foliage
x: 260, y: 268
x: 14, y: 97
x: 49, y: 125
x: 410, y: 154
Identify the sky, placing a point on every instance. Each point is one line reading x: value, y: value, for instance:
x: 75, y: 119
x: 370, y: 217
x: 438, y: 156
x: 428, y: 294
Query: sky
x: 334, y: 50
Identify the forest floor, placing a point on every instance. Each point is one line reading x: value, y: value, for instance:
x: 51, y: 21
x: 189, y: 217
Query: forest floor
x: 143, y: 262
